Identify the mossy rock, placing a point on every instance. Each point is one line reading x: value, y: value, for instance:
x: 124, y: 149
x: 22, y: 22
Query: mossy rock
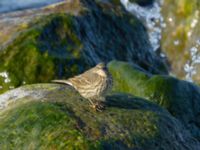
x: 37, y: 56
x: 61, y: 45
x: 51, y: 116
x: 179, y: 97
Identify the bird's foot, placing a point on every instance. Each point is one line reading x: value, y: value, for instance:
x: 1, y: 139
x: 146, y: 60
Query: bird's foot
x: 100, y: 106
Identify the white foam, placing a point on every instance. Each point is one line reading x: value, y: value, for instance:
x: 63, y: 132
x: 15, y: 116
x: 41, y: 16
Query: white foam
x: 191, y: 66
x: 152, y: 18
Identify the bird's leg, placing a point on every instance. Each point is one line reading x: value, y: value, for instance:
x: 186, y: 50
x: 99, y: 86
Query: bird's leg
x: 92, y: 104
x: 100, y: 104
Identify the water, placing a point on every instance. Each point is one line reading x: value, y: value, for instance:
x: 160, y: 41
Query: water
x: 13, y: 5
x: 152, y: 18
x: 191, y: 66
x: 156, y: 22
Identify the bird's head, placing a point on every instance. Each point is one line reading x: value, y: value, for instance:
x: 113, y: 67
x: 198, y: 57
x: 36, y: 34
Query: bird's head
x: 101, y: 69
x: 101, y: 66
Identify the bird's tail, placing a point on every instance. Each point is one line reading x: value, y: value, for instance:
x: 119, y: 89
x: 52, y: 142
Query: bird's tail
x: 62, y: 82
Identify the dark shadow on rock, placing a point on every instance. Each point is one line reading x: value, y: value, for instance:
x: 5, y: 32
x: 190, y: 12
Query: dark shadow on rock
x: 126, y: 101
x: 116, y: 145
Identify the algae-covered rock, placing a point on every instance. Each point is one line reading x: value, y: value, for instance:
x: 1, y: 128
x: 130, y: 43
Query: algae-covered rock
x: 37, y: 56
x: 180, y: 98
x: 51, y: 116
x: 63, y: 44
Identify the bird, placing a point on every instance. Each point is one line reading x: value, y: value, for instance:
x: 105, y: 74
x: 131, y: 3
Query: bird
x: 93, y: 84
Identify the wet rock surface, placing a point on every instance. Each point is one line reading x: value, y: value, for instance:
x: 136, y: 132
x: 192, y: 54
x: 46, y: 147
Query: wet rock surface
x: 180, y: 98
x: 58, y: 117
x: 146, y: 110
x: 61, y: 45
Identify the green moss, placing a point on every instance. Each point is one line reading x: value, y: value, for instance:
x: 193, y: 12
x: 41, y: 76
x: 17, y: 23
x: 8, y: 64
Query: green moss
x: 159, y: 89
x: 63, y: 120
x: 47, y: 126
x: 127, y: 79
x: 61, y: 45
x: 166, y: 91
x: 48, y: 49
x: 180, y: 98
x: 36, y: 125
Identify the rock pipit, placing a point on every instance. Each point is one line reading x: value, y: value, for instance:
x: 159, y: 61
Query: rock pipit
x: 93, y: 84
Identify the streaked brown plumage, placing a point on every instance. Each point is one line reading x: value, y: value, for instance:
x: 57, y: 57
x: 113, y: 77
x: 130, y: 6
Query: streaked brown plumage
x: 93, y: 84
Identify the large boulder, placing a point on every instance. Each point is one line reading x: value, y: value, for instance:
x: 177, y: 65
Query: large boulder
x: 51, y: 116
x: 58, y: 44
x: 180, y: 98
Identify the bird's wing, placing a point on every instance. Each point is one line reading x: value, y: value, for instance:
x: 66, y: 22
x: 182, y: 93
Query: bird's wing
x: 87, y: 78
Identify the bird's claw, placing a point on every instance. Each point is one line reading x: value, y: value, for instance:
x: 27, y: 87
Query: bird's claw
x: 98, y: 107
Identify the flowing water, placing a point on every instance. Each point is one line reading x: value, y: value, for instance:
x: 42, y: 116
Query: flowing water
x: 152, y: 18
x: 173, y: 27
